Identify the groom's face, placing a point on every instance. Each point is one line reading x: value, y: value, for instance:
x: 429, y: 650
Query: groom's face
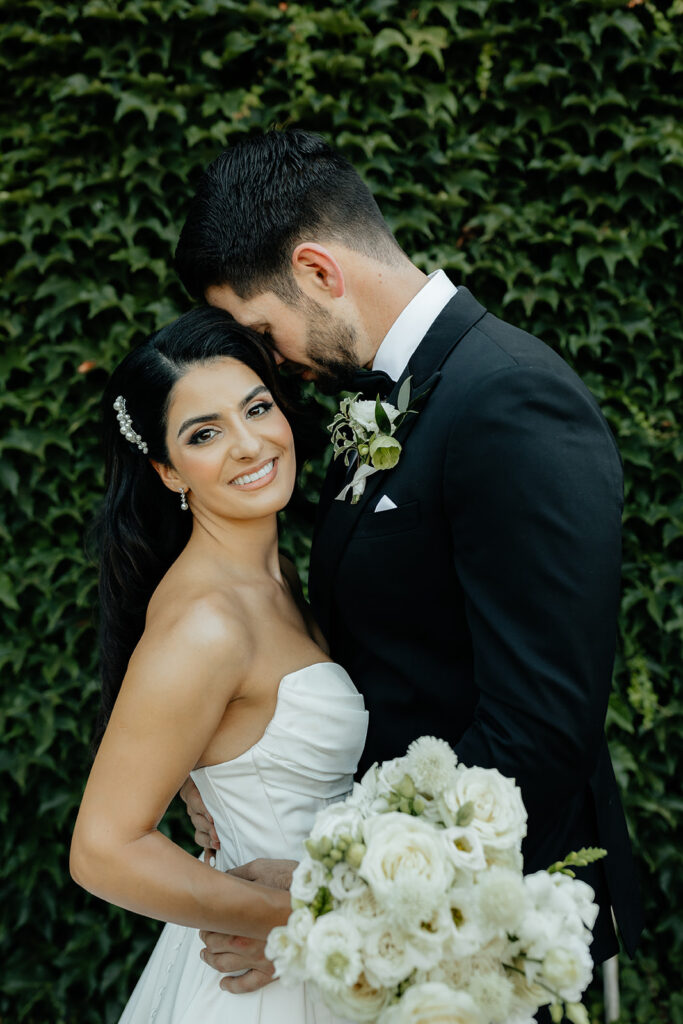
x: 306, y: 337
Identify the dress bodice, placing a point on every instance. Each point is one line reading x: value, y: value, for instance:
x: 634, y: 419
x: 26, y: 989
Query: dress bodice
x: 264, y: 802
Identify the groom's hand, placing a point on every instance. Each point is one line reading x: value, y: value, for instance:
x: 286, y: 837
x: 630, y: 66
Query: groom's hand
x: 228, y: 953
x: 275, y: 873
x: 205, y: 834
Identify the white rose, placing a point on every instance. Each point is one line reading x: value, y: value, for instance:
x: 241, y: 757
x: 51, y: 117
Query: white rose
x: 568, y: 969
x: 406, y: 865
x: 386, y: 956
x: 359, y: 1002
x: 333, y: 952
x: 344, y: 882
x: 308, y: 876
x: 362, y: 909
x: 391, y: 775
x: 433, y: 1003
x: 499, y: 813
x: 431, y: 764
x: 362, y: 414
x: 337, y: 820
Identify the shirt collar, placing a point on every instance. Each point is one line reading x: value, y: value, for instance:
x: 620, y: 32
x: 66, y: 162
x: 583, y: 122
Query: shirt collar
x: 411, y: 325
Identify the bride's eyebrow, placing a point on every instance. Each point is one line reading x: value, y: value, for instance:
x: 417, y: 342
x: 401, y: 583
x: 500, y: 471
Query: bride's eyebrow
x: 207, y: 416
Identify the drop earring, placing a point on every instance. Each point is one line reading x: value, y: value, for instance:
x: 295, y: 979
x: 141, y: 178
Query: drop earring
x: 183, y: 500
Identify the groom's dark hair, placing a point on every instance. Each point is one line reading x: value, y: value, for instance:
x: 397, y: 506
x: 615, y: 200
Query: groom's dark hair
x: 259, y: 199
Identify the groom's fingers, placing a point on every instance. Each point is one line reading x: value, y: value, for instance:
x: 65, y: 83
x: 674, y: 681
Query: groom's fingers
x: 205, y: 833
x: 275, y: 873
x: 249, y: 982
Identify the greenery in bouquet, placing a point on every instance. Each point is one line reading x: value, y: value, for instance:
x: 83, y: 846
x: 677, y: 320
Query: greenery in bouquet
x: 410, y: 904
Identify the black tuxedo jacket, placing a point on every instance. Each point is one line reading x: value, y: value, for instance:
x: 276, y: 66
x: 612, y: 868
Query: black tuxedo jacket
x: 483, y: 608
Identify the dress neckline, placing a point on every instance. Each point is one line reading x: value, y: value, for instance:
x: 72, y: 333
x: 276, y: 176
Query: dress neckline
x: 280, y: 687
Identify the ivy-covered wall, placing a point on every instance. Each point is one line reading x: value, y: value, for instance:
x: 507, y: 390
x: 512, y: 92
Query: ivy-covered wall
x: 533, y: 149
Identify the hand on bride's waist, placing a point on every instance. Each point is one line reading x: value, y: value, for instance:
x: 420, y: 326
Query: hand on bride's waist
x: 241, y: 960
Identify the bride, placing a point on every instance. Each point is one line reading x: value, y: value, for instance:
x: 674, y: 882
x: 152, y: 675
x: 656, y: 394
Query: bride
x: 211, y: 666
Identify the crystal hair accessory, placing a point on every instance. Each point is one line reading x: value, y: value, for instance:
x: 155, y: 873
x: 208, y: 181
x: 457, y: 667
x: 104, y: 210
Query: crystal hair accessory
x: 126, y: 425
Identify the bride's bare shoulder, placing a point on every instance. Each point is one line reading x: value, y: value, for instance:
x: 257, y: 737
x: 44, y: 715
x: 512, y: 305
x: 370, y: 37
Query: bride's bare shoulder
x: 193, y: 616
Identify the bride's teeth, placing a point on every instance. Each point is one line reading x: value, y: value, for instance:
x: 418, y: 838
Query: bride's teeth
x: 249, y: 478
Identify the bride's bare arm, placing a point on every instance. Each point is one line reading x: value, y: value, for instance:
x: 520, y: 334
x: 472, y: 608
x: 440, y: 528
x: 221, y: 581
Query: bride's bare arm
x: 172, y: 699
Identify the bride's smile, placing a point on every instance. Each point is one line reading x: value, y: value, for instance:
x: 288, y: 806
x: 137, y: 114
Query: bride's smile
x: 230, y: 447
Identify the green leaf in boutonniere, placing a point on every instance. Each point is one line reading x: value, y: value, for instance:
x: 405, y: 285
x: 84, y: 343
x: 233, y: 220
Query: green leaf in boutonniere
x: 366, y: 429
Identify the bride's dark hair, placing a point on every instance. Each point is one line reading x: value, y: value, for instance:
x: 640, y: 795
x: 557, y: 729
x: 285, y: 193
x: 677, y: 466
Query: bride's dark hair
x: 141, y: 527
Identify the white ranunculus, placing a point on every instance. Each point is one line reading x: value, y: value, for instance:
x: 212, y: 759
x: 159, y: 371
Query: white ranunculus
x: 386, y: 956
x: 362, y: 414
x: 344, y: 882
x: 360, y: 1002
x: 333, y: 956
x: 308, y: 877
x: 431, y: 764
x: 499, y: 813
x: 568, y: 969
x: 502, y: 898
x: 433, y: 1003
x: 465, y: 848
x: 406, y: 865
x: 337, y: 820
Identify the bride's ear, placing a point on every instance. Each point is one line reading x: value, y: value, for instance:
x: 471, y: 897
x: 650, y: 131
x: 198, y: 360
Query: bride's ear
x: 168, y: 476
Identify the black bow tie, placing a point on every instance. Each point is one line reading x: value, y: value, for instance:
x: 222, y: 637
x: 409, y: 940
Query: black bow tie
x: 371, y: 383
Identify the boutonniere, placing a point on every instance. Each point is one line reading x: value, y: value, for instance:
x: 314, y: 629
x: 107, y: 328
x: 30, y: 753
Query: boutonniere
x: 366, y: 429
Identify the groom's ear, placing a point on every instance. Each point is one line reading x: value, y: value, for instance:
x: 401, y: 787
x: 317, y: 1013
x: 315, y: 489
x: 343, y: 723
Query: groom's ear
x: 316, y: 271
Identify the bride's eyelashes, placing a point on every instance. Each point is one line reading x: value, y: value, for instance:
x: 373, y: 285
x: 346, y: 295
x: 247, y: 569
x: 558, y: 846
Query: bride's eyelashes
x: 203, y: 435
x: 260, y: 409
x: 206, y: 434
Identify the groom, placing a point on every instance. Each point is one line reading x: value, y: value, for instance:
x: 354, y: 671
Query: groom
x: 472, y: 592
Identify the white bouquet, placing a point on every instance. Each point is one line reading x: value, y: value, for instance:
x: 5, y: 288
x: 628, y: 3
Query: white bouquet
x: 410, y: 906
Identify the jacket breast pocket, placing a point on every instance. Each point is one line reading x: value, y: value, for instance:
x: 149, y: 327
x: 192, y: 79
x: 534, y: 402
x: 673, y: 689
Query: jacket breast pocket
x: 394, y: 520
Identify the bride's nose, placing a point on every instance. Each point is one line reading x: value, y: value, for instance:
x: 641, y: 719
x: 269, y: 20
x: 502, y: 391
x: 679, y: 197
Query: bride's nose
x: 246, y: 444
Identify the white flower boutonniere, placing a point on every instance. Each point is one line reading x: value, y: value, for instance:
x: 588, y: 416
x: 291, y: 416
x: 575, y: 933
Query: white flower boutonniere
x: 366, y: 429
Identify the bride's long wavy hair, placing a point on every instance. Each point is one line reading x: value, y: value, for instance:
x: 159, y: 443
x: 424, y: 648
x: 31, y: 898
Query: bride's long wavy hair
x: 141, y: 528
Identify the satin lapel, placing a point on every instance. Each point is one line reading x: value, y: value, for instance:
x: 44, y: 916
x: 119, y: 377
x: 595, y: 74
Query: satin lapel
x: 337, y: 519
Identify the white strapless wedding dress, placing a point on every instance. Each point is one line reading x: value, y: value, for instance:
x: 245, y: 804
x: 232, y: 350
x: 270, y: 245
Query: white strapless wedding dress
x: 263, y: 804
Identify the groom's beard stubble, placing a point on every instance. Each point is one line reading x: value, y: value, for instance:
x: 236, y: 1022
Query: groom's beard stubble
x: 331, y: 349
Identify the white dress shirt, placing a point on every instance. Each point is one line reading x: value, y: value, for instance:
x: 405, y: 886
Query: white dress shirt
x: 410, y: 327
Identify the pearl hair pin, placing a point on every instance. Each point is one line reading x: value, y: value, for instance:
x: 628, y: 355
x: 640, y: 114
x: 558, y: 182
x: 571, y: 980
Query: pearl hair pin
x: 126, y: 425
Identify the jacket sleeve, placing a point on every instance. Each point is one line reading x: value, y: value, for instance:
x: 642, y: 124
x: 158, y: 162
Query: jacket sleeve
x: 533, y: 490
